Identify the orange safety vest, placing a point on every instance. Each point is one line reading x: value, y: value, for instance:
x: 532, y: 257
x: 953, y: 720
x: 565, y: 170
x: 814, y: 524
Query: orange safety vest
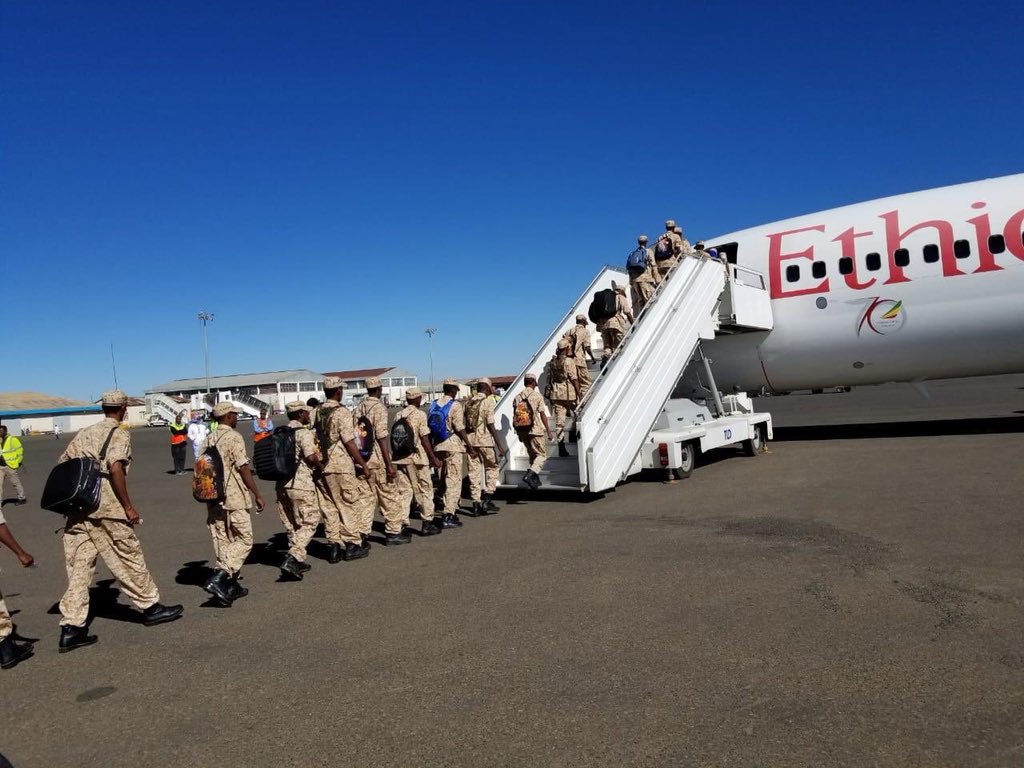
x: 257, y: 436
x: 177, y: 439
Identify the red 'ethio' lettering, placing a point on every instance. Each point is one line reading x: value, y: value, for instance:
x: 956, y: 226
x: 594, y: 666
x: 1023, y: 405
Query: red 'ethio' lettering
x: 776, y: 257
x: 847, y: 240
x: 1012, y: 234
x: 894, y: 240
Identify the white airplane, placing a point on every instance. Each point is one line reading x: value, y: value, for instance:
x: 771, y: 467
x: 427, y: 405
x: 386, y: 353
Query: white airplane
x: 919, y: 286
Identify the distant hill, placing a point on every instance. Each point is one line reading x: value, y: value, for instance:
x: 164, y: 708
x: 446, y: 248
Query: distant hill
x: 22, y: 401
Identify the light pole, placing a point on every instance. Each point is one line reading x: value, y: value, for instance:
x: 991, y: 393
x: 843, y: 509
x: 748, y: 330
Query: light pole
x: 430, y: 344
x: 204, y: 318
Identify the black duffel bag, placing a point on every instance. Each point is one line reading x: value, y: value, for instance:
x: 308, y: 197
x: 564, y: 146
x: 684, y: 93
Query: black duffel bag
x: 73, y: 486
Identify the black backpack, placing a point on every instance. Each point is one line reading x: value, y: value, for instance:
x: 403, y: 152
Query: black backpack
x: 274, y: 457
x: 403, y: 441
x: 73, y: 486
x: 603, y: 307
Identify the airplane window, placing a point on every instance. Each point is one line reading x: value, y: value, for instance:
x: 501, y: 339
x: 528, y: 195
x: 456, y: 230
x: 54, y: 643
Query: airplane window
x: 873, y: 262
x: 845, y: 266
x: 818, y: 269
x: 902, y: 257
x: 793, y: 273
x: 931, y: 253
x: 962, y: 249
x: 996, y: 244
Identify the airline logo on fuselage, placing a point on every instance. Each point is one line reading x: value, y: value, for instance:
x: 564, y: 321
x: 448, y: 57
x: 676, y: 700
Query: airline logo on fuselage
x: 784, y: 252
x: 882, y: 317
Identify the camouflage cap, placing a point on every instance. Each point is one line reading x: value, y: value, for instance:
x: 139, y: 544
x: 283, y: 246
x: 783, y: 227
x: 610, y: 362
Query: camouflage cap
x: 450, y: 383
x: 373, y: 382
x: 620, y: 289
x: 669, y: 223
x: 333, y: 382
x: 412, y: 393
x: 678, y: 230
x: 700, y: 244
x: 581, y: 318
x: 642, y: 239
x: 114, y: 397
x: 484, y: 380
x: 225, y: 407
x: 563, y: 344
x: 295, y: 406
x: 530, y: 377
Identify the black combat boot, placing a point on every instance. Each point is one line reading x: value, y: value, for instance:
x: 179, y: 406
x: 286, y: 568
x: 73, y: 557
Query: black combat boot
x: 290, y: 568
x: 219, y: 585
x: 394, y: 539
x: 473, y: 511
x: 429, y: 528
x: 354, y: 551
x: 74, y: 637
x: 334, y: 552
x: 528, y: 479
x: 305, y: 567
x: 11, y: 652
x: 489, y: 504
x: 449, y: 520
x: 563, y: 452
x: 235, y: 589
x: 158, y: 613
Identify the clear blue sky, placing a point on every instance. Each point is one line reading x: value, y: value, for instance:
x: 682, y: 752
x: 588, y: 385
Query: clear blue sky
x: 331, y: 178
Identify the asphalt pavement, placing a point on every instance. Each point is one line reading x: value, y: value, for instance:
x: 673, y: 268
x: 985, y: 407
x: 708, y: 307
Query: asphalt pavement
x: 852, y: 597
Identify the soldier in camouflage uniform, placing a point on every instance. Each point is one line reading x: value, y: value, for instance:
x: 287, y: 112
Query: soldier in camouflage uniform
x: 674, y: 244
x: 11, y: 651
x: 298, y: 502
x: 451, y: 452
x: 383, y: 475
x: 479, y: 414
x: 229, y: 520
x: 614, y: 329
x: 579, y: 341
x: 644, y: 283
x: 349, y: 492
x: 565, y: 392
x: 533, y: 438
x: 108, y: 532
x: 414, y: 479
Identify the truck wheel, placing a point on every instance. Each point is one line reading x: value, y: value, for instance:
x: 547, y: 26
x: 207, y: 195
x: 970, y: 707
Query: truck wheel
x: 689, y: 458
x: 753, y: 446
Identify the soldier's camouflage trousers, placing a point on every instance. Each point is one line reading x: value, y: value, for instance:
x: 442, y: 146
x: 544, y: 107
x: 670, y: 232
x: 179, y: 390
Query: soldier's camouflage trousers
x: 231, y: 531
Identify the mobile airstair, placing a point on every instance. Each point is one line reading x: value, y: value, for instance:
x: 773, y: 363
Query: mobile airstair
x: 628, y: 396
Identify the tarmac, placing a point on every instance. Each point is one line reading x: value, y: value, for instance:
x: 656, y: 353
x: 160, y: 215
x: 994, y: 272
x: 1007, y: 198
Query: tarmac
x: 851, y: 597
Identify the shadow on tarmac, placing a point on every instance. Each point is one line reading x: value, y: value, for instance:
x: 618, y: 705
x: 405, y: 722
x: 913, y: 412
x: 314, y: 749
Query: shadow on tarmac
x: 985, y: 426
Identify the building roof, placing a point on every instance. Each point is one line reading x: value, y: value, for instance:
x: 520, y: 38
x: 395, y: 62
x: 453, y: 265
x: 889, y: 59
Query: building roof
x: 21, y: 401
x: 237, y: 380
x: 359, y: 373
x: 87, y: 408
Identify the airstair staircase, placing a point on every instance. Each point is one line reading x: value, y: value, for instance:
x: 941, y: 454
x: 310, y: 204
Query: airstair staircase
x: 699, y: 299
x: 166, y: 407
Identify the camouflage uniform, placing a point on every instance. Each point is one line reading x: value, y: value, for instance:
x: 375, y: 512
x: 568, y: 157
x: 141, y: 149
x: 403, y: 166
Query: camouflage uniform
x: 229, y: 521
x: 450, y: 452
x: 579, y: 342
x: 480, y: 438
x: 348, y: 493
x: 298, y: 502
x: 675, y: 246
x: 645, y: 283
x: 563, y: 392
x: 414, y: 470
x: 613, y: 330
x: 103, y: 533
x: 385, y: 492
x: 536, y: 441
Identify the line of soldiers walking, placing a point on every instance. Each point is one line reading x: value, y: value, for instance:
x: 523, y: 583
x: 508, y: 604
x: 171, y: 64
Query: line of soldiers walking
x: 345, y: 471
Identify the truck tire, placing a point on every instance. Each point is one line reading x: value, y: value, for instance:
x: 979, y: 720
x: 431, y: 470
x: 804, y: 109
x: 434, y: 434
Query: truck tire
x: 689, y: 459
x: 754, y: 445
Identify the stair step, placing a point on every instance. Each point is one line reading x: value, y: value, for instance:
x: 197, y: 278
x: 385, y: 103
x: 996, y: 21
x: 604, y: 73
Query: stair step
x: 569, y: 480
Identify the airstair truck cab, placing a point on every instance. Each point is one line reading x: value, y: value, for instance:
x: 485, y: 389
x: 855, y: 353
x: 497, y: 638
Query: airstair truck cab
x: 628, y: 396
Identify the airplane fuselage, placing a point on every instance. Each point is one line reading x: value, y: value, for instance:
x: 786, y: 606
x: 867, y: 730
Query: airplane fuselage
x: 919, y: 286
